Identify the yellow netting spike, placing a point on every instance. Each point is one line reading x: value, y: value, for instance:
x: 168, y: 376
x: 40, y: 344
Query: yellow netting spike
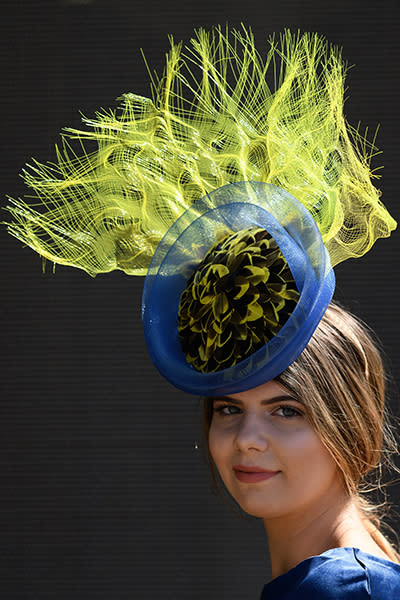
x: 222, y: 112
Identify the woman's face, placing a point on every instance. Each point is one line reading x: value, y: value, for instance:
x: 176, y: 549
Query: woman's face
x: 268, y: 455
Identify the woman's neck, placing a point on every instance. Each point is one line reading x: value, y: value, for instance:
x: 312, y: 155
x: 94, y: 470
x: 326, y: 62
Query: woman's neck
x: 333, y: 524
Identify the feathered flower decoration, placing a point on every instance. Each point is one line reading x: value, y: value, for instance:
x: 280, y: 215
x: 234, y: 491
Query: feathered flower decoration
x: 238, y: 298
x: 221, y: 113
x: 232, y: 138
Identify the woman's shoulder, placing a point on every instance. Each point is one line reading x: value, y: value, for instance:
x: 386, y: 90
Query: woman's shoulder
x: 338, y: 574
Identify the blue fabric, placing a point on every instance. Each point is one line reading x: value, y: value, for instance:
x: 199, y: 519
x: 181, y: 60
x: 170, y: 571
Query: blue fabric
x: 338, y: 574
x: 235, y: 207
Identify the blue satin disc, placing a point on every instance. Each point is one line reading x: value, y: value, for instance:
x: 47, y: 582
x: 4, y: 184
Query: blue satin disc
x: 235, y: 207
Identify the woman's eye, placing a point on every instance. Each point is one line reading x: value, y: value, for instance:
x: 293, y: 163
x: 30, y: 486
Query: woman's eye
x: 288, y: 412
x: 227, y: 410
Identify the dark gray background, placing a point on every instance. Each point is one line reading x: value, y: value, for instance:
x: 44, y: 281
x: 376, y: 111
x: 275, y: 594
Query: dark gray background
x: 103, y: 494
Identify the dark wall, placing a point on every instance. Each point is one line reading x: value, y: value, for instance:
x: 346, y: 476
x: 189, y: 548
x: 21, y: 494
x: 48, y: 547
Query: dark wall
x: 103, y: 494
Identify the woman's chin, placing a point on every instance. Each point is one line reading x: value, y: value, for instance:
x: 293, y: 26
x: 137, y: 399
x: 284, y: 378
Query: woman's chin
x: 259, y: 508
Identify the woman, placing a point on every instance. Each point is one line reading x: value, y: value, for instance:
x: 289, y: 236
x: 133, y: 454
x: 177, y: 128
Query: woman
x: 236, y: 199
x: 297, y: 451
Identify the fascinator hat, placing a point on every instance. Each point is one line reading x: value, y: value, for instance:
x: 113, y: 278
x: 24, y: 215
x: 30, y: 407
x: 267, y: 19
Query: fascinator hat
x: 235, y: 189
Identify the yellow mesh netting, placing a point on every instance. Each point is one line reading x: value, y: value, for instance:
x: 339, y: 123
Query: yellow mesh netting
x: 221, y: 113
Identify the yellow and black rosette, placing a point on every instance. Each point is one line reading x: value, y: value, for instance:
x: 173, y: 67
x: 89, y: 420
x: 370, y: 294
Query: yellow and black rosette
x: 224, y: 312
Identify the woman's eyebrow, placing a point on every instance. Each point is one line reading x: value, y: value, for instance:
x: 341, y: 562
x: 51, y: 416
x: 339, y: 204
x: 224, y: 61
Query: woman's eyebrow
x: 266, y: 402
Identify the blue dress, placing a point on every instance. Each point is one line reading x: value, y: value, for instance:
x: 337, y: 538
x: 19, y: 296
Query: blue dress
x: 338, y: 574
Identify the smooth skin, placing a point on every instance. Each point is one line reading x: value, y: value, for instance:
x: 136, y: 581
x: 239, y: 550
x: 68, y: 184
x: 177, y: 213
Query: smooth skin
x: 304, y: 505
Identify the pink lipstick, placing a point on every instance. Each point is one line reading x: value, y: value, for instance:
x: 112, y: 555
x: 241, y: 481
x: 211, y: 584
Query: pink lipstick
x: 247, y: 474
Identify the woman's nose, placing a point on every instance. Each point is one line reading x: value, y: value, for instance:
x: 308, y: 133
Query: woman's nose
x: 252, y: 434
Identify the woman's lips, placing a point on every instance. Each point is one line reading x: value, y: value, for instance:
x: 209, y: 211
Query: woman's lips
x: 252, y: 474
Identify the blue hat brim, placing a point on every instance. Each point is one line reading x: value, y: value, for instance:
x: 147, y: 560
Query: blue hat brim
x: 235, y: 207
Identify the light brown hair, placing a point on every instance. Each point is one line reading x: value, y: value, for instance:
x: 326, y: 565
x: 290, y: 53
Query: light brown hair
x: 340, y: 378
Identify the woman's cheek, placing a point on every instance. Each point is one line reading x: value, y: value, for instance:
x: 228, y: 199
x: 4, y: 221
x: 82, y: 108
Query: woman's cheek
x: 218, y: 445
